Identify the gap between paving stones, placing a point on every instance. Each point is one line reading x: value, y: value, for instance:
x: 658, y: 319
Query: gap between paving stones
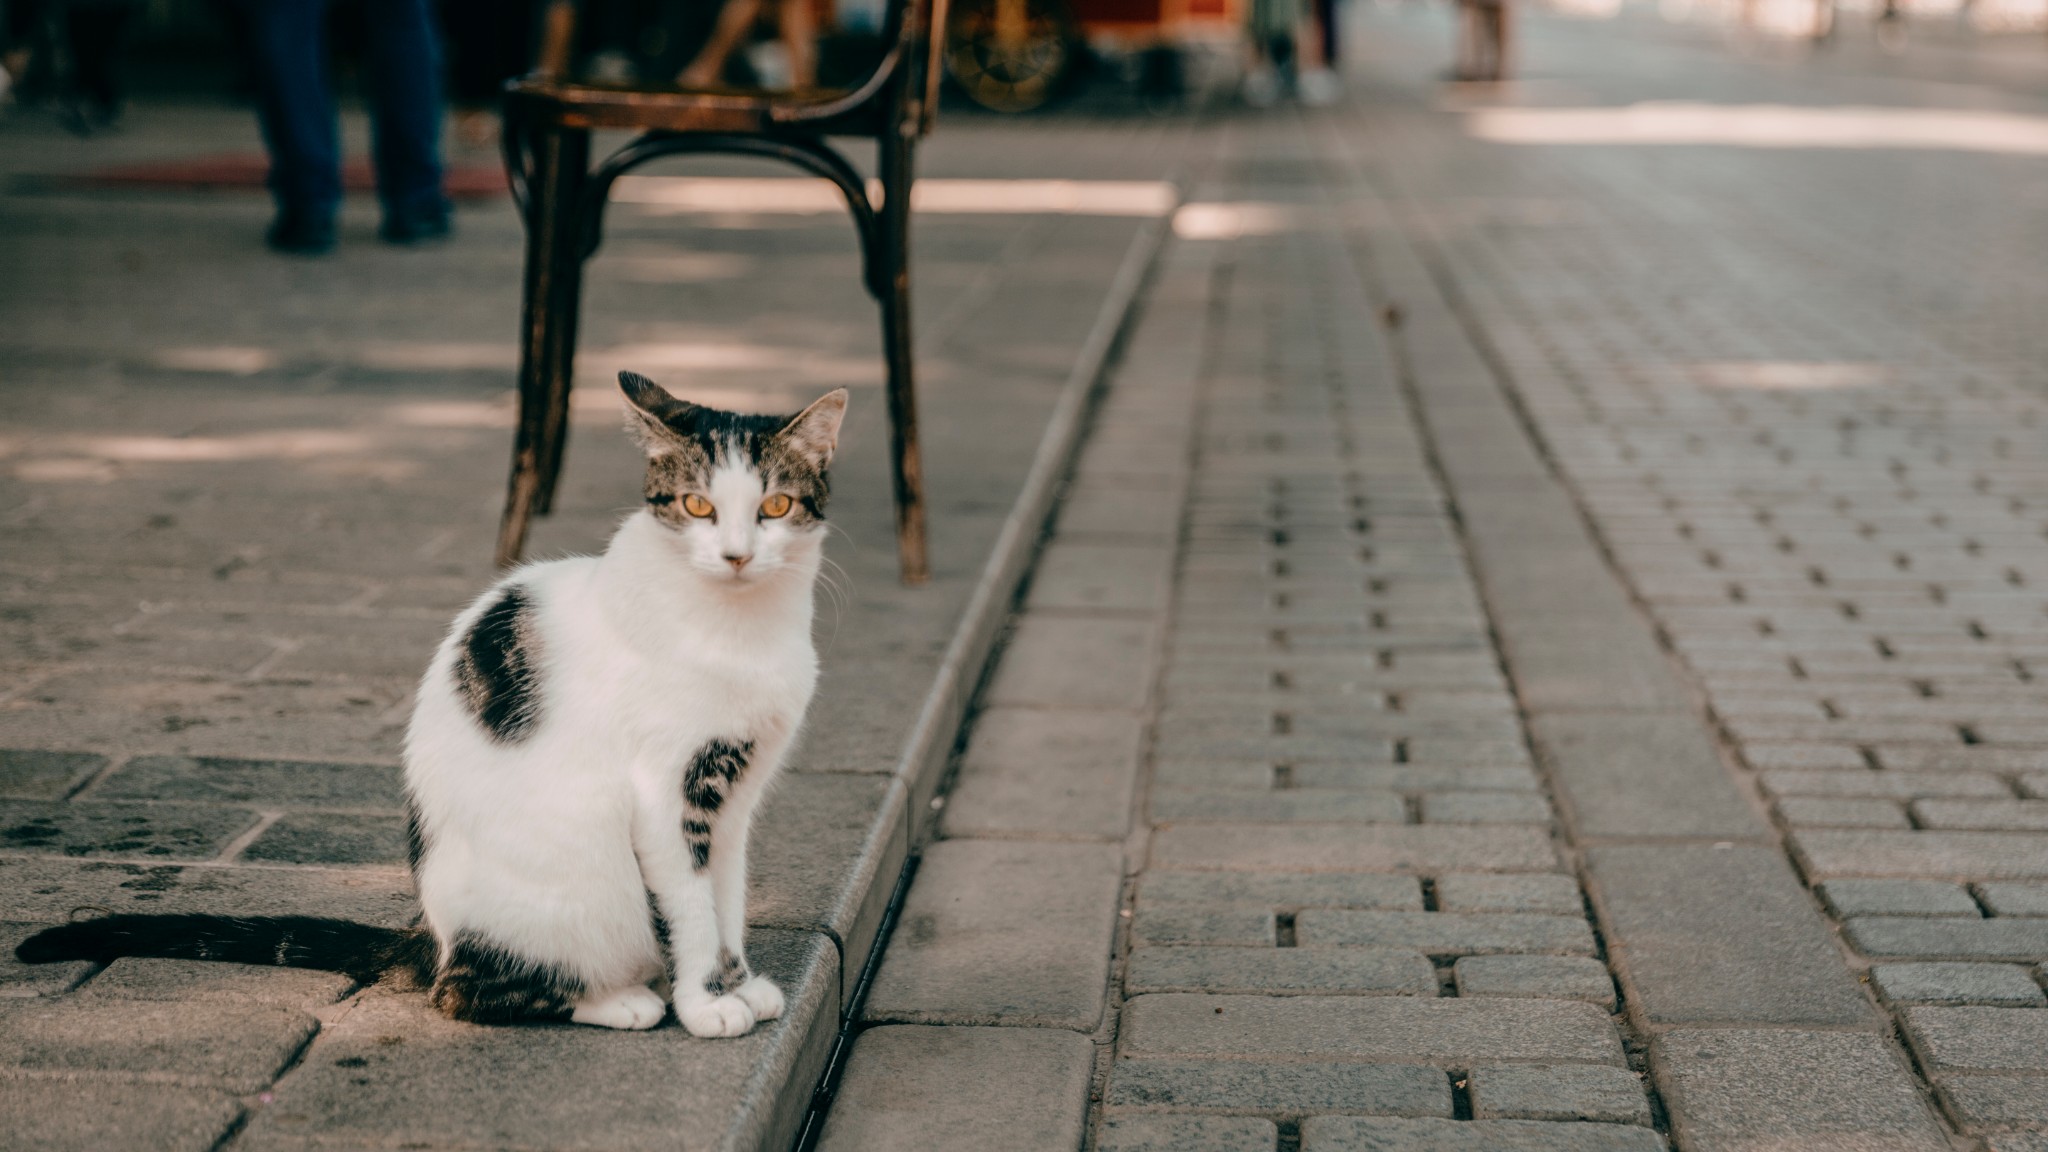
x: 1889, y: 1102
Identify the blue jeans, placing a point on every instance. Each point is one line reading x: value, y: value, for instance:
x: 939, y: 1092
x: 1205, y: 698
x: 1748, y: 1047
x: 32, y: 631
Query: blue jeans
x: 289, y: 40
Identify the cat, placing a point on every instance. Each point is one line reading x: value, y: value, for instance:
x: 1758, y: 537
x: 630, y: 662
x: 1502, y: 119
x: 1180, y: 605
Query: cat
x: 587, y: 752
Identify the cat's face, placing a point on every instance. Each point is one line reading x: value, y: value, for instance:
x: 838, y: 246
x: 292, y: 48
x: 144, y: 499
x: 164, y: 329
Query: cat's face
x: 745, y: 495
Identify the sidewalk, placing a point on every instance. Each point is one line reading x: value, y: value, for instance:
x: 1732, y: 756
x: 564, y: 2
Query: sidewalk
x: 241, y: 497
x: 1583, y: 599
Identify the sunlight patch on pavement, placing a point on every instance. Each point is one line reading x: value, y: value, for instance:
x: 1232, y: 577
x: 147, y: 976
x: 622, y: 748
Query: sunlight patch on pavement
x: 1793, y: 376
x: 234, y: 360
x: 682, y: 195
x: 1225, y: 221
x: 1768, y: 126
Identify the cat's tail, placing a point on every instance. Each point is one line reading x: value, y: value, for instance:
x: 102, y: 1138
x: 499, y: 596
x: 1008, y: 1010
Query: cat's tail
x: 360, y: 951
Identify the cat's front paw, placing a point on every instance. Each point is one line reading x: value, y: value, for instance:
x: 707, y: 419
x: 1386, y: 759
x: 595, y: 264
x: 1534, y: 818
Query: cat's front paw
x: 714, y: 1016
x: 632, y: 1009
x: 763, y: 996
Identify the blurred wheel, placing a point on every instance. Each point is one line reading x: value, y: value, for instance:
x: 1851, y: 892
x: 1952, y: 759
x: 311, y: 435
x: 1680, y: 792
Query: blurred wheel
x: 1012, y: 55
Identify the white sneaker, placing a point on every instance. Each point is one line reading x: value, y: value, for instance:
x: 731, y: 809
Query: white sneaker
x: 1320, y: 88
x: 1261, y: 87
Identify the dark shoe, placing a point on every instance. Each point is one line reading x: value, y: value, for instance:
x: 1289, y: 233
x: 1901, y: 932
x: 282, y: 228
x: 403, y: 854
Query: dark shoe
x: 418, y: 226
x: 300, y: 235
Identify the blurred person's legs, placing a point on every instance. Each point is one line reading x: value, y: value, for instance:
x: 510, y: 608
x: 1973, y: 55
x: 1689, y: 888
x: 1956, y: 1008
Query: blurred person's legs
x: 97, y: 29
x: 288, y: 39
x: 795, y: 24
x: 488, y: 42
x: 405, y: 119
x: 1317, y: 80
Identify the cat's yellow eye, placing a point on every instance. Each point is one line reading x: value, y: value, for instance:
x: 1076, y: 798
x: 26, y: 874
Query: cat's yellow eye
x: 775, y: 507
x: 697, y: 506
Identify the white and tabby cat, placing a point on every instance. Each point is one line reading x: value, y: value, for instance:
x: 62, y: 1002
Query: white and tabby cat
x: 588, y: 749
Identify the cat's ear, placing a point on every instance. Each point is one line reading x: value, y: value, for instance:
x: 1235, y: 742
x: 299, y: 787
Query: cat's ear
x: 814, y: 432
x: 654, y: 418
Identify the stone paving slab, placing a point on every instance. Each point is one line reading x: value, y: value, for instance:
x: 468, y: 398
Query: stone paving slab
x: 1706, y: 933
x: 1954, y: 983
x: 394, y: 1072
x: 1360, y: 1134
x: 1446, y: 933
x: 1948, y: 938
x: 910, y: 1087
x: 1077, y: 662
x: 1370, y: 848
x: 46, y: 890
x: 1977, y: 1039
x: 1002, y: 932
x: 1559, y: 1092
x: 260, y: 783
x: 1165, y: 1133
x: 1992, y: 1103
x: 1653, y: 775
x: 1957, y: 855
x: 1448, y: 1032
x: 1752, y: 1090
x: 96, y: 1115
x: 1281, y: 890
x: 198, y: 981
x: 1289, y: 1088
x: 232, y: 1045
x: 1046, y: 773
x: 1270, y: 971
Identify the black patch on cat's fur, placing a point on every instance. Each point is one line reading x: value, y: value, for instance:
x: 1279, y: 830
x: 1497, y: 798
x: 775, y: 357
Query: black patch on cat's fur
x: 415, y: 835
x: 732, y: 972
x: 498, y: 669
x: 709, y: 779
x: 484, y: 983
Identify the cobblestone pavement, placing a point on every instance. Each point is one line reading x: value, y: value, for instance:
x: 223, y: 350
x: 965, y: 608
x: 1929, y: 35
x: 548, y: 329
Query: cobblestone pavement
x: 1587, y: 602
x: 241, y: 496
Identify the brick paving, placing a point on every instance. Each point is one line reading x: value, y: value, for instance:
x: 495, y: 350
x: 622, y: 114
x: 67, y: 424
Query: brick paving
x: 1727, y: 462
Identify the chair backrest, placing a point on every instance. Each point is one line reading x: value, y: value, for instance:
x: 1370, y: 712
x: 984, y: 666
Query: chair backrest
x: 911, y: 62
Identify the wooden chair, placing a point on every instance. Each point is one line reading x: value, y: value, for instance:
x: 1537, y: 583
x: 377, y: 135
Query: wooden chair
x: 549, y: 118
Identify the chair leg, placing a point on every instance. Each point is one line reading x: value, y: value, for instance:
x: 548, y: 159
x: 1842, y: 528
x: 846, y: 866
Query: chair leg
x: 568, y: 309
x: 559, y: 162
x: 908, y: 467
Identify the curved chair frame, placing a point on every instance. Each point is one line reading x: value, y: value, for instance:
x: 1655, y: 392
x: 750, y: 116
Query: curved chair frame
x: 562, y: 200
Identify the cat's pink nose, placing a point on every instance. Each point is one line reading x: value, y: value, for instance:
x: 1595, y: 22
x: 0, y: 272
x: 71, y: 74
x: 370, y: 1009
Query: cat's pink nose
x: 737, y: 562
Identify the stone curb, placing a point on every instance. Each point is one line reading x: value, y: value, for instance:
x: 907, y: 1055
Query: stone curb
x: 929, y: 747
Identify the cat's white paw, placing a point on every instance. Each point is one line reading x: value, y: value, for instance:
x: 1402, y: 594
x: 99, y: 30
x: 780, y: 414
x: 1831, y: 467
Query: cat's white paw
x: 715, y: 1016
x: 763, y: 996
x: 633, y: 1008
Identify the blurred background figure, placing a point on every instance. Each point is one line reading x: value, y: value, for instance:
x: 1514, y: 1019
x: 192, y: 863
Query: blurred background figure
x: 1270, y: 44
x: 90, y: 34
x: 1482, y: 41
x: 488, y: 43
x: 1292, y: 44
x: 300, y: 129
x: 796, y: 25
x: 1317, y: 82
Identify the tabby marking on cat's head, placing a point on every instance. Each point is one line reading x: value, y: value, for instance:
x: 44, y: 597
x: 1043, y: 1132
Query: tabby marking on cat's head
x: 745, y: 494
